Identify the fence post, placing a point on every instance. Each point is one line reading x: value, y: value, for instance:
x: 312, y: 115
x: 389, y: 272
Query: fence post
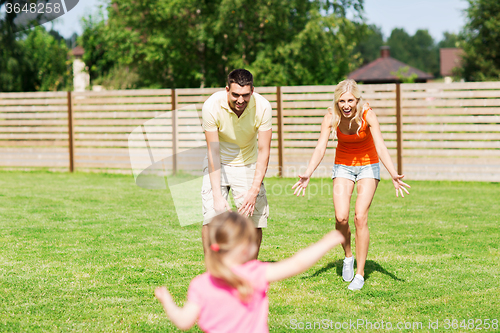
x: 279, y: 107
x: 175, y: 132
x: 399, y: 130
x: 71, y: 134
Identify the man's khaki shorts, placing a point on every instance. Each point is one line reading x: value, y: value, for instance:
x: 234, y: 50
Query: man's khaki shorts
x: 239, y: 179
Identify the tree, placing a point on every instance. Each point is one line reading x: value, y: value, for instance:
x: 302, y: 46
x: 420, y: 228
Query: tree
x: 30, y: 60
x: 13, y: 65
x: 418, y: 51
x: 320, y: 52
x: 97, y: 54
x: 401, y: 45
x: 449, y: 40
x: 369, y: 46
x: 426, y: 54
x: 481, y: 41
x: 194, y: 43
x: 48, y: 59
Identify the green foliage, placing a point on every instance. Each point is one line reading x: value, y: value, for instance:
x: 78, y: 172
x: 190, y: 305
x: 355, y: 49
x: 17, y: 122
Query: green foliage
x: 481, y: 41
x: 449, y: 40
x: 193, y: 43
x: 401, y: 45
x: 369, y: 46
x: 36, y: 62
x: 94, y: 41
x: 418, y: 51
x: 426, y: 54
x: 12, y: 61
x: 403, y: 75
x: 13, y: 67
x: 33, y: 59
x: 118, y: 78
x: 48, y: 58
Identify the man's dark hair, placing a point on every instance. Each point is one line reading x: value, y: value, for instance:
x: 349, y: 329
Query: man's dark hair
x: 241, y: 77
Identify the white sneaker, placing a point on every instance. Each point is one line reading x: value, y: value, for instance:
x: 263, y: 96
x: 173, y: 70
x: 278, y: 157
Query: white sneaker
x: 357, y: 283
x: 348, y: 269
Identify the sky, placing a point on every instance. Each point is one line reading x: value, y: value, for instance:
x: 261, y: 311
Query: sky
x: 70, y: 22
x: 437, y: 16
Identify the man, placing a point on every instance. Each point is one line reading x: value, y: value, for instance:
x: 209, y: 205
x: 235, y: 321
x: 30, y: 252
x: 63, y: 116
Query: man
x: 231, y: 121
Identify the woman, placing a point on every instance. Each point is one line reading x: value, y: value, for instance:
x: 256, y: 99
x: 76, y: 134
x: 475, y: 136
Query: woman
x: 360, y: 145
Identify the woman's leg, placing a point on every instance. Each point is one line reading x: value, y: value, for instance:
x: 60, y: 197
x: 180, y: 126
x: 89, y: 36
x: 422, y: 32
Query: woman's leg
x: 342, y: 192
x: 366, y: 191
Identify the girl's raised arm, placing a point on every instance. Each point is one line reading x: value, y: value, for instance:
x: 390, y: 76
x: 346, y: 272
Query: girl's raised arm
x: 319, y: 153
x: 184, y: 318
x: 303, y: 259
x: 383, y: 153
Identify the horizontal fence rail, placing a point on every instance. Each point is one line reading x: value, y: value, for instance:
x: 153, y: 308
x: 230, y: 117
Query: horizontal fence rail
x: 451, y: 131
x: 34, y: 130
x: 433, y: 131
x: 104, y: 120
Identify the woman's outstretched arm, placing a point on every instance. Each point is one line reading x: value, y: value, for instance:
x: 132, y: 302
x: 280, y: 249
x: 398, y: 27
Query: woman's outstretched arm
x: 319, y: 153
x: 383, y: 153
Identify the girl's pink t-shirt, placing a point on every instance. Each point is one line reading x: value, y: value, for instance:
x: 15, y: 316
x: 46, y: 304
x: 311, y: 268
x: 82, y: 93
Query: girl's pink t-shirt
x: 221, y: 309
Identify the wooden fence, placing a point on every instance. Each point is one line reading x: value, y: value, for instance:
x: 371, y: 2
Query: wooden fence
x: 451, y: 131
x: 433, y: 131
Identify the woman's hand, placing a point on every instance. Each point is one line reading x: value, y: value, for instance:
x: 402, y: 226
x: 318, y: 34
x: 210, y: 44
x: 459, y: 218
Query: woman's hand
x: 399, y: 185
x: 301, y: 185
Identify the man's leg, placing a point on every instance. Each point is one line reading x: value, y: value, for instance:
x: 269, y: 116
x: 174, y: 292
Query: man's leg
x: 208, y: 203
x: 241, y: 180
x: 259, y: 241
x: 204, y: 238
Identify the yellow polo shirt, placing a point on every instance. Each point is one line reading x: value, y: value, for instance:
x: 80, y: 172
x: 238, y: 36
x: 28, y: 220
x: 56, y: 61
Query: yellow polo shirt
x: 237, y: 136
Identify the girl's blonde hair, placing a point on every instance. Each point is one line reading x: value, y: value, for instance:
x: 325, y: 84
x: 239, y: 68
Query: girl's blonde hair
x: 226, y: 231
x: 343, y: 87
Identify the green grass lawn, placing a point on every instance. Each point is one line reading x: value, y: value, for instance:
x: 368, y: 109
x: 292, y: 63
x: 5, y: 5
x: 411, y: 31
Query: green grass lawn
x: 84, y: 252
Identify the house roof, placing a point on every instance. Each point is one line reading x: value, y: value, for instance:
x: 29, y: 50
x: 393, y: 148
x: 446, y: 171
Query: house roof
x: 77, y: 51
x: 450, y: 58
x: 383, y: 69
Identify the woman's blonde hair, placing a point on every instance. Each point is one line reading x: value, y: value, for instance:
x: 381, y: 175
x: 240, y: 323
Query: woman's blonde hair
x: 226, y: 231
x: 343, y: 87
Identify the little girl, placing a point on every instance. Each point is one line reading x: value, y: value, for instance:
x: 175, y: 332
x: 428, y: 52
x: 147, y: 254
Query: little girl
x: 232, y: 295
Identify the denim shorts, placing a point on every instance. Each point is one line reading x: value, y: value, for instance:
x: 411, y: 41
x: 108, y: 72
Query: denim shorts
x: 356, y: 173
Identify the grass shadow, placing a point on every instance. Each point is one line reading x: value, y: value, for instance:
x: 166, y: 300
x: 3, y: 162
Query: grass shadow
x: 326, y: 268
x: 370, y: 267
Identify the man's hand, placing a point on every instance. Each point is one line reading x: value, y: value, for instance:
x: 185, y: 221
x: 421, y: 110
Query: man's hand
x: 220, y: 204
x: 248, y: 205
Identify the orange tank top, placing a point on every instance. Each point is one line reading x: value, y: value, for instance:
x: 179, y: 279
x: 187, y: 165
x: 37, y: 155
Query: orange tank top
x: 356, y: 149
